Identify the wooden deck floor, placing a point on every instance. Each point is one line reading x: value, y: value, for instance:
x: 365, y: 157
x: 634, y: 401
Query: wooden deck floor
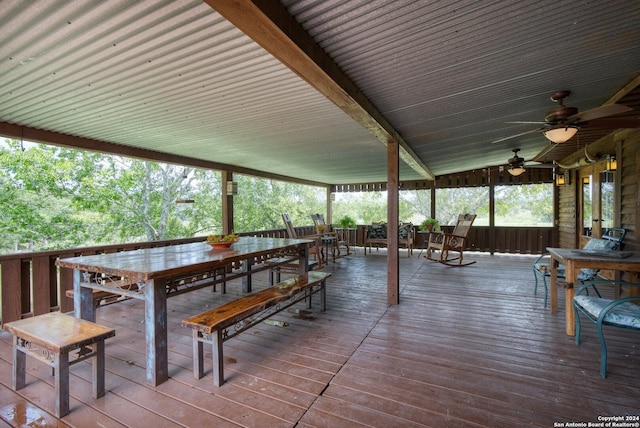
x: 466, y: 347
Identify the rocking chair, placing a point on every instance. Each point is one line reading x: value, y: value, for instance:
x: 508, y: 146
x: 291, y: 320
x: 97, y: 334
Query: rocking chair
x: 451, y: 242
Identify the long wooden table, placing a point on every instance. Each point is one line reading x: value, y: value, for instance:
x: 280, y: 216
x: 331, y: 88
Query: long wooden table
x: 574, y: 260
x: 159, y: 272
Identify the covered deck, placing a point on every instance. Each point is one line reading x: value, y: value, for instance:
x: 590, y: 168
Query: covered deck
x: 467, y: 346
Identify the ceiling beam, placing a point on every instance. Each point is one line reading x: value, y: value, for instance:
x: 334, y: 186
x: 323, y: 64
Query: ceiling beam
x: 270, y: 25
x: 20, y: 133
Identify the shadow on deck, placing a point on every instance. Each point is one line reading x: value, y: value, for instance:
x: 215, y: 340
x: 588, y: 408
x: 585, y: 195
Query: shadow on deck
x: 466, y: 346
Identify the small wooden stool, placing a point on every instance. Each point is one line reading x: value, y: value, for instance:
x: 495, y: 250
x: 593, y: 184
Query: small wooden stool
x: 50, y: 338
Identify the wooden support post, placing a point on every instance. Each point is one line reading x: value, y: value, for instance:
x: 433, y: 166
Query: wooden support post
x: 227, y: 204
x: 393, y: 270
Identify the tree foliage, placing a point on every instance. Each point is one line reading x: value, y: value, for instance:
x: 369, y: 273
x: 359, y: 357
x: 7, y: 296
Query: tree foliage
x: 56, y: 197
x: 261, y: 202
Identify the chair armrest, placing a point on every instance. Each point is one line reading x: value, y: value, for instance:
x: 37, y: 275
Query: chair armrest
x: 436, y: 235
x: 596, y: 282
x: 615, y: 303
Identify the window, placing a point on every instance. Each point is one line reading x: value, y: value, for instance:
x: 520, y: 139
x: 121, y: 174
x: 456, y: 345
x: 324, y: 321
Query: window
x: 524, y: 205
x: 462, y: 200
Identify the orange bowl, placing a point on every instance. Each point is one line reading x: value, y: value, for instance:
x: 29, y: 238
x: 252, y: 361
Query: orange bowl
x: 221, y: 244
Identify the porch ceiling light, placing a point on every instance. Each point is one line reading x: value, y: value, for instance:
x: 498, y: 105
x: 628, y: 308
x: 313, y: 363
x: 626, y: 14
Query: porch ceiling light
x: 560, y: 134
x: 516, y: 170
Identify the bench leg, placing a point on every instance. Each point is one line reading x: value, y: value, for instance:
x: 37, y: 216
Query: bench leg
x: 198, y: 358
x: 274, y: 272
x: 98, y: 368
x: 19, y: 366
x: 307, y: 297
x: 218, y: 358
x: 323, y: 296
x: 61, y: 380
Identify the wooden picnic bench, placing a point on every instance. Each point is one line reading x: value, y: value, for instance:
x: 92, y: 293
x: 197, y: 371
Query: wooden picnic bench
x: 101, y: 297
x: 220, y: 324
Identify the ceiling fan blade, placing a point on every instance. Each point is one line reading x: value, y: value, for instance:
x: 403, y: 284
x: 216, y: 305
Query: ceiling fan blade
x: 616, y: 122
x: 599, y: 112
x: 529, y: 122
x: 516, y: 135
x: 538, y: 165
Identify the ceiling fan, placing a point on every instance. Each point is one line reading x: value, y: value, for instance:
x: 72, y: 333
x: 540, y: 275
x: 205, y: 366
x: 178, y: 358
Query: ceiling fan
x: 563, y: 122
x: 517, y: 165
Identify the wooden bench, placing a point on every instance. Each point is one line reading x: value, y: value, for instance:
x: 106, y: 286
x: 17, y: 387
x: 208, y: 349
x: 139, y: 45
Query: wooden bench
x: 217, y: 325
x: 101, y: 297
x: 50, y: 338
x: 376, y: 235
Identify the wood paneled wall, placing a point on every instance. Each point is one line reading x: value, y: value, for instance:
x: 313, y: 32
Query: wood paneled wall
x: 629, y: 197
x: 626, y: 145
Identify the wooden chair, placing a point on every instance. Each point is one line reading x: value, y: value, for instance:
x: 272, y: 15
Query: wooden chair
x: 619, y: 312
x: 276, y: 264
x: 451, y: 242
x: 318, y: 220
x: 314, y: 250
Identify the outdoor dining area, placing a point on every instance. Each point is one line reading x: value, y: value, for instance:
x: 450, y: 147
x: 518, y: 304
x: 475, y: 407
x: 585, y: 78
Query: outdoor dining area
x: 469, y: 346
x: 319, y: 214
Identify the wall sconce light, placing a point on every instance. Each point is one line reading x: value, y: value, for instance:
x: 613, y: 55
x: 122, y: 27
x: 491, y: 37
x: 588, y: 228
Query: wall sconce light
x: 586, y: 180
x: 232, y: 188
x: 562, y: 179
x: 612, y: 163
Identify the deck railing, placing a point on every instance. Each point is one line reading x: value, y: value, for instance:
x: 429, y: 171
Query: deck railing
x: 32, y: 284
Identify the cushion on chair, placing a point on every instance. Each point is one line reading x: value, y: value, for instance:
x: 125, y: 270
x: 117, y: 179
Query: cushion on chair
x: 376, y: 231
x: 626, y: 314
x: 405, y: 230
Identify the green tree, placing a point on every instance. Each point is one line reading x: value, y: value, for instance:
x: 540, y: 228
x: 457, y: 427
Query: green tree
x: 56, y: 197
x: 260, y: 203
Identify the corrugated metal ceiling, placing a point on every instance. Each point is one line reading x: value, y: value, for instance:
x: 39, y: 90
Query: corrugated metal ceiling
x: 176, y: 77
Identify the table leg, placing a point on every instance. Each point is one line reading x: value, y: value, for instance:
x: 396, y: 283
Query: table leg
x: 553, y: 285
x: 98, y: 369
x: 634, y: 291
x: 569, y: 292
x: 155, y: 319
x: 61, y: 381
x: 246, y: 280
x: 83, y: 306
x: 19, y: 365
x: 303, y: 260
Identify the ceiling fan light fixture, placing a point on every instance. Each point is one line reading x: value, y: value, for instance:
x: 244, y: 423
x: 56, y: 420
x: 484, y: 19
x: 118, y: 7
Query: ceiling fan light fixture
x: 516, y: 170
x: 560, y: 134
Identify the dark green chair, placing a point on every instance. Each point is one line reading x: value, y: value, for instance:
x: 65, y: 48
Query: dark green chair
x: 611, y: 240
x: 619, y: 312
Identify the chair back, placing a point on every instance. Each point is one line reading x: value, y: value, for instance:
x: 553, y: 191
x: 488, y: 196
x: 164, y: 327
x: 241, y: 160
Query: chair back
x: 611, y: 240
x: 463, y: 225
x: 318, y: 220
x: 616, y: 236
x: 291, y: 232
